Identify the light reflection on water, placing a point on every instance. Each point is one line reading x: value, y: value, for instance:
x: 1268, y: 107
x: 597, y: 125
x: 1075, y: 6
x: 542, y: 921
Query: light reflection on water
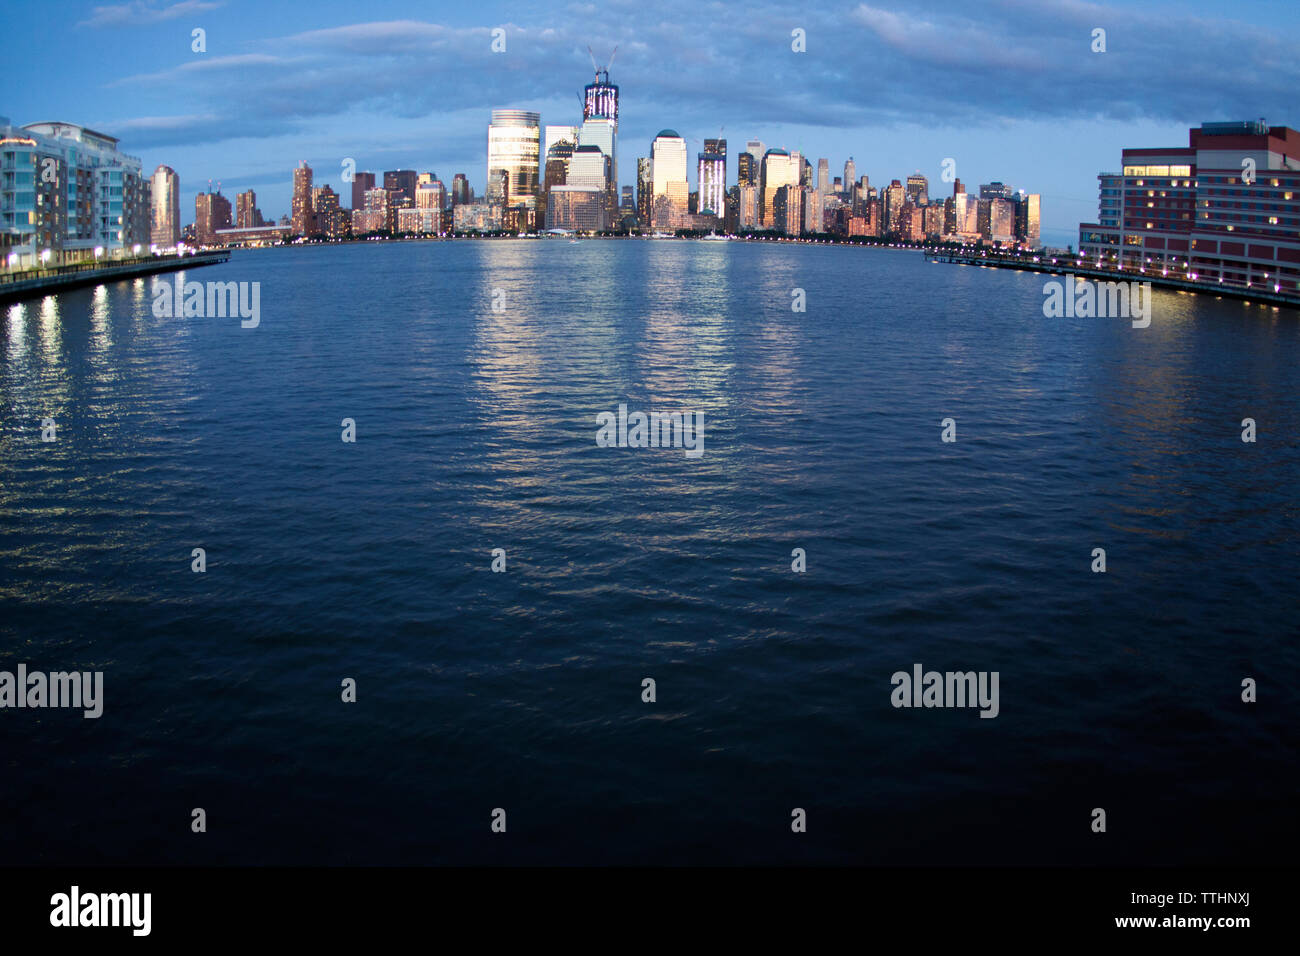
x: 477, y: 430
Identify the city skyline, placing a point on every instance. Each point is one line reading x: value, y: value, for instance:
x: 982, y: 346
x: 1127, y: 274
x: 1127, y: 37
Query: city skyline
x: 923, y: 83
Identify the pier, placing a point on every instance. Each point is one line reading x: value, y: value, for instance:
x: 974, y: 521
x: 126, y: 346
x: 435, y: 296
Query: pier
x: 36, y: 283
x: 1062, y: 267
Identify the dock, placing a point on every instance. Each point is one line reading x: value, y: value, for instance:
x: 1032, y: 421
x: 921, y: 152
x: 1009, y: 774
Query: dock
x: 1157, y: 280
x: 37, y: 283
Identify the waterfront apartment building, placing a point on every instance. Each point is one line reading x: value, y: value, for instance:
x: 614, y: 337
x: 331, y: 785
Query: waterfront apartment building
x: 165, y: 208
x: 1225, y: 208
x: 67, y: 194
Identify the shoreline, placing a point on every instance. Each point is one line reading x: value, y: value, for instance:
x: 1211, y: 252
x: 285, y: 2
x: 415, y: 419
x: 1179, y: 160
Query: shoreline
x: 18, y: 287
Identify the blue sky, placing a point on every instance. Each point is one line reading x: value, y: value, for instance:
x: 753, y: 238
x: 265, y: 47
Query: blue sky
x: 1010, y: 89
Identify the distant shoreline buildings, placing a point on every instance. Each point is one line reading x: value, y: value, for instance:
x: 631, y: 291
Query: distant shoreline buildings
x: 562, y: 178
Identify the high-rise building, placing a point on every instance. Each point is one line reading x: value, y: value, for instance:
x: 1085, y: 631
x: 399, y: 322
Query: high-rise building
x: 779, y: 170
x: 430, y: 195
x: 787, y: 209
x: 461, y: 194
x: 589, y: 166
x: 895, y: 196
x: 1028, y: 227
x: 1223, y: 209
x: 581, y: 208
x: 1002, y: 220
x: 379, y: 213
x: 361, y: 184
x: 995, y: 191
x: 556, y: 171
x: 403, y: 183
x: 303, y: 223
x: 644, y: 190
x: 718, y: 147
x: 823, y: 176
x: 555, y: 134
x: 747, y: 169
x: 711, y: 175
x: 602, y: 133
x: 850, y: 173
x: 757, y: 149
x: 918, y: 189
x: 211, y: 212
x: 165, y: 198
x: 514, y: 146
x: 668, y: 168
x: 747, y: 208
x: 247, y: 215
x: 330, y: 218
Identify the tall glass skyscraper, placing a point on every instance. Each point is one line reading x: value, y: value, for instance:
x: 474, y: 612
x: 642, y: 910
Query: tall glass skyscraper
x: 515, y: 145
x: 165, y: 200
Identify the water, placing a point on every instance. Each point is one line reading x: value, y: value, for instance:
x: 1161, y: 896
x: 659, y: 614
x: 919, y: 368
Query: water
x: 476, y: 430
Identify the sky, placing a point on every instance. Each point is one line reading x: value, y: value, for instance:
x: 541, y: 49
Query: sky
x: 1010, y: 90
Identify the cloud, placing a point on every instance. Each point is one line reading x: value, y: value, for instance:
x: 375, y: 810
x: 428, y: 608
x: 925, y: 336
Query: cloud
x: 868, y: 66
x: 142, y: 13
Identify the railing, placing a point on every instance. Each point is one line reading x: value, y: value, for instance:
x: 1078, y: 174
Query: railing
x: 98, y: 265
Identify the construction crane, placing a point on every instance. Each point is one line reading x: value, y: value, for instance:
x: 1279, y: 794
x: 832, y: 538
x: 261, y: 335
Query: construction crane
x: 602, y: 71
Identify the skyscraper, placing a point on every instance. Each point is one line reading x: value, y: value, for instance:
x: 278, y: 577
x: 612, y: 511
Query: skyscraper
x: 211, y: 212
x: 303, y: 224
x: 779, y: 170
x: 461, y: 194
x: 850, y: 174
x: 165, y: 199
x: 895, y: 196
x: 361, y: 184
x: 918, y: 188
x: 668, y: 152
x: 247, y: 215
x: 747, y: 169
x: 514, y: 145
x: 644, y: 190
x: 823, y: 176
x: 402, y: 182
x: 711, y: 175
x: 329, y: 217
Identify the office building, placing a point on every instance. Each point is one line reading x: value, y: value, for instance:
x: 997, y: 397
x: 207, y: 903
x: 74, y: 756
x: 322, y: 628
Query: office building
x: 1223, y: 209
